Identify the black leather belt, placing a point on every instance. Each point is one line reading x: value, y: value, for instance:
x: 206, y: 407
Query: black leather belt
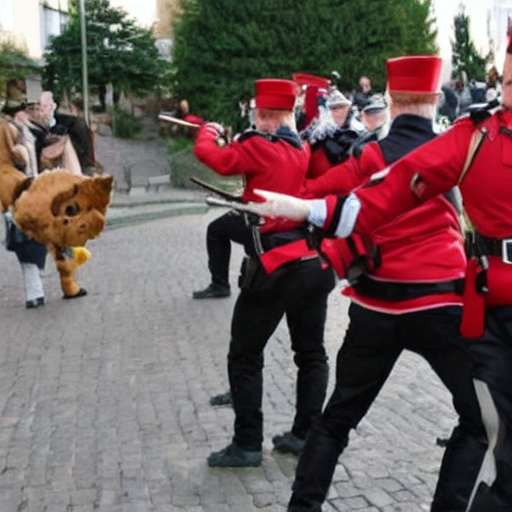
x: 271, y: 240
x: 488, y: 246
x: 394, y: 292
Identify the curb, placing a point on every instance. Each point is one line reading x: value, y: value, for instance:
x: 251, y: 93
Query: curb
x: 120, y: 216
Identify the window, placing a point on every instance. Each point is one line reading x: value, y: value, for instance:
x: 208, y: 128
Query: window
x: 52, y: 23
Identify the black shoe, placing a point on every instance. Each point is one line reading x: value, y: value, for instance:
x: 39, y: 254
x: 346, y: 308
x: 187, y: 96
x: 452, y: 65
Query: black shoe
x: 34, y: 303
x: 288, y: 442
x: 222, y: 399
x: 81, y: 293
x: 213, y: 291
x: 234, y: 457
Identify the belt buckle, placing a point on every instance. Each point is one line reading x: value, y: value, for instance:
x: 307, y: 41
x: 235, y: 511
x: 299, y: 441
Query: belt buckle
x: 506, y: 250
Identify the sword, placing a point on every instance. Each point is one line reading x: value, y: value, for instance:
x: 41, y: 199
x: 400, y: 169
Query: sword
x: 251, y: 218
x: 222, y: 193
x: 163, y: 116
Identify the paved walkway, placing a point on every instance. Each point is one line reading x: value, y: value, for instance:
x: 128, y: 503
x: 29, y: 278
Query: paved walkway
x: 104, y: 400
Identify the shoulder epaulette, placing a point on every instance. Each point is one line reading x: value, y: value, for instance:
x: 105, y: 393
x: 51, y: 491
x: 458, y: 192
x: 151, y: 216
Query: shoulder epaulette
x: 356, y: 149
x: 255, y: 133
x: 481, y: 111
x: 293, y: 141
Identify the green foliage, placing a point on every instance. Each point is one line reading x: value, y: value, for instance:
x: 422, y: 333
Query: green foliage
x: 221, y: 47
x: 126, y: 57
x: 14, y: 63
x: 184, y: 165
x: 464, y: 54
x: 124, y: 124
x: 176, y: 144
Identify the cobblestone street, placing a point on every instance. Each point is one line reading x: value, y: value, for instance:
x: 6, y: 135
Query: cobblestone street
x: 104, y: 400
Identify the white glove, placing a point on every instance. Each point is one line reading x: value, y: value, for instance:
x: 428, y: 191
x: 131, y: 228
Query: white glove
x: 279, y: 205
x: 218, y: 128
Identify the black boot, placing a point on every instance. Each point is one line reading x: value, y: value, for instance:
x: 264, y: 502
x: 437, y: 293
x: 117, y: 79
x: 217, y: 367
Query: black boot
x: 288, y: 442
x: 213, y: 291
x: 234, y: 457
x: 222, y: 399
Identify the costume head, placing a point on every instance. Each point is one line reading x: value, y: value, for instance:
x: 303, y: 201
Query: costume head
x: 316, y: 87
x: 62, y: 209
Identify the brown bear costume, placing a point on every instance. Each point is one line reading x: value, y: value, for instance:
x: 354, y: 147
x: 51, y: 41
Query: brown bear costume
x: 56, y: 208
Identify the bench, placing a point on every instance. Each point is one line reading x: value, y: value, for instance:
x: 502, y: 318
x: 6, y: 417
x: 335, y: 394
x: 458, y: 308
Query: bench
x: 158, y: 181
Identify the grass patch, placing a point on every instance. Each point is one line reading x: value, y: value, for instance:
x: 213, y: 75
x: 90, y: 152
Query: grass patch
x: 184, y: 164
x: 124, y: 124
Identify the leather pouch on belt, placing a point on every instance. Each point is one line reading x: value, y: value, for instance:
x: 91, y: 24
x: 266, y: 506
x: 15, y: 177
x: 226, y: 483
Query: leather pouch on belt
x: 498, y: 292
x: 350, y: 257
x: 499, y: 282
x: 473, y: 313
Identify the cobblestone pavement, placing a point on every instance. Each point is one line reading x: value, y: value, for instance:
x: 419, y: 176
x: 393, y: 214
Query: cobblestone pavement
x: 104, y: 400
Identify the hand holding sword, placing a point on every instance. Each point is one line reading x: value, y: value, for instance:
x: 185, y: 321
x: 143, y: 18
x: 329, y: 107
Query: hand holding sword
x: 223, y: 135
x: 275, y: 204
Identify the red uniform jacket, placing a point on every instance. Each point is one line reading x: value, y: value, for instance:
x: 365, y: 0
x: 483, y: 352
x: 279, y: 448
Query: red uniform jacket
x: 421, y: 246
x: 318, y: 164
x: 278, y: 163
x: 437, y: 166
x: 486, y: 188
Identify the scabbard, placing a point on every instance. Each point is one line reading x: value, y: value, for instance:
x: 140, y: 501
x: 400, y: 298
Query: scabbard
x: 473, y: 312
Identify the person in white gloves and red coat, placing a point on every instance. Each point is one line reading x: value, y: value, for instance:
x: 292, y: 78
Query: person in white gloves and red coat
x: 411, y: 296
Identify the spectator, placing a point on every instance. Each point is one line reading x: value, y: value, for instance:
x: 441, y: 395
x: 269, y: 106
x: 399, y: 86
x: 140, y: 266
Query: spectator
x: 449, y: 103
x: 463, y: 93
x: 493, y: 85
x: 362, y: 96
x: 62, y: 152
x: 79, y: 133
x: 31, y: 255
x: 183, y: 112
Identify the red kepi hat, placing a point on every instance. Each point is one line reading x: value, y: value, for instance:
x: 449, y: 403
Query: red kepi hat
x: 417, y: 74
x: 315, y: 86
x: 276, y: 94
x: 313, y: 80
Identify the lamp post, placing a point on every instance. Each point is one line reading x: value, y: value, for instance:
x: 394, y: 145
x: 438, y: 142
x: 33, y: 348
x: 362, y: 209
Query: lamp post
x: 85, y: 74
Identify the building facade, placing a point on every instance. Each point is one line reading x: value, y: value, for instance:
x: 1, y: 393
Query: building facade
x: 30, y: 23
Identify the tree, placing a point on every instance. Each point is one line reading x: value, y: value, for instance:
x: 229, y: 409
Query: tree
x: 464, y: 54
x: 222, y: 46
x: 118, y: 52
x: 14, y: 64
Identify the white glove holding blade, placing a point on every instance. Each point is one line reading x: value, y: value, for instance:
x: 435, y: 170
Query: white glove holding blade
x: 217, y: 127
x: 279, y: 205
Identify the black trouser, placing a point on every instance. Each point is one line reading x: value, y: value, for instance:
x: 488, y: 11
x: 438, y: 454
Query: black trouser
x: 301, y: 293
x: 492, y: 368
x: 372, y: 345
x: 228, y: 227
